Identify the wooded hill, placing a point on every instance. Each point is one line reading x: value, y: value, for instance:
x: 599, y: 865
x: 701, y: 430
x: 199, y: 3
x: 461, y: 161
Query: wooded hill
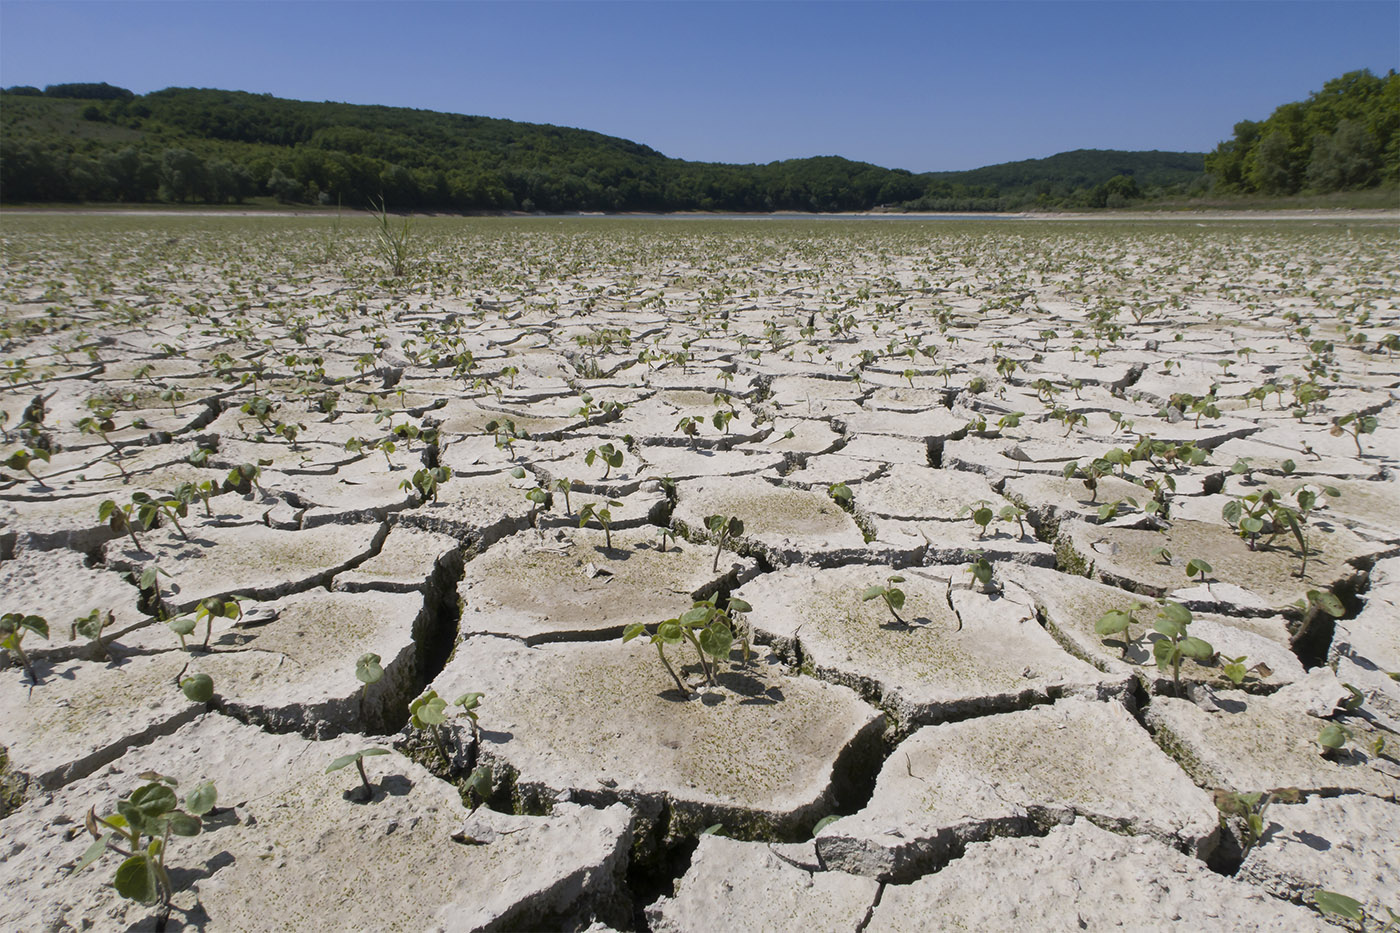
x: 96, y: 142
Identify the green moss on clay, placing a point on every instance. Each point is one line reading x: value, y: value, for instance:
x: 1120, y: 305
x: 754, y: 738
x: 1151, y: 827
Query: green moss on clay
x: 12, y: 785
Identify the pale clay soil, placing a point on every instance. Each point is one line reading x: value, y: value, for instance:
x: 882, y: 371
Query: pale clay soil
x: 882, y: 405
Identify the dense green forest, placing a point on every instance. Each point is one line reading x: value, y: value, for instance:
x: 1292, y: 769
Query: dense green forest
x: 1343, y: 137
x: 97, y: 142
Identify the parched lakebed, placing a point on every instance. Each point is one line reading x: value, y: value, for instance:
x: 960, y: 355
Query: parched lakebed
x: 592, y: 573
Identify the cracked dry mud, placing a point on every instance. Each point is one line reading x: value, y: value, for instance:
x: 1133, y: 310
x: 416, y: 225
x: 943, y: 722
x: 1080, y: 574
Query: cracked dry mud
x: 880, y: 404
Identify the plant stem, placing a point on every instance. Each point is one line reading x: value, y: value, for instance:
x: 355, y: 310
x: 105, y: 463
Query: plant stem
x: 670, y: 670
x: 369, y: 789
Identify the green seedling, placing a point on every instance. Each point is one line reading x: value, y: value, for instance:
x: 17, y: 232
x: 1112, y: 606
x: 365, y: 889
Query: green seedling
x: 1109, y: 510
x: 539, y: 499
x: 841, y: 494
x: 1333, y: 738
x: 198, y: 688
x: 1014, y: 513
x: 506, y: 434
x: 1235, y: 670
x: 724, y: 528
x: 667, y: 633
x: 101, y: 424
x: 690, y: 427
x: 22, y: 459
x: 478, y: 787
x: 665, y: 532
x: 184, y: 627
x: 149, y: 511
x: 1243, y: 467
x: 368, y: 671
x: 603, y: 514
x: 738, y: 610
x: 91, y: 627
x: 1197, y: 567
x: 1162, y: 554
x: 982, y: 515
x: 358, y: 760
x: 1355, y: 424
x: 118, y: 518
x: 428, y: 713
x: 708, y: 628
x: 215, y: 608
x: 203, y: 491
x: 140, y: 830
x: 610, y: 455
x: 981, y: 570
x: 245, y: 476
x: 426, y: 482
x: 891, y: 594
x: 260, y: 409
x: 13, y: 626
x: 564, y: 486
x: 1168, y: 651
x: 1120, y: 622
x: 1249, y: 808
x: 468, y: 703
x: 1322, y: 601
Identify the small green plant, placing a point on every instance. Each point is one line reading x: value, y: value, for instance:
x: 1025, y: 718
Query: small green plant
x: 22, y: 459
x: 725, y: 529
x: 610, y: 455
x: 506, y: 434
x: 368, y: 671
x: 1120, y: 622
x: 1014, y: 513
x: 393, y: 244
x: 982, y: 573
x: 1355, y: 424
x: 358, y: 760
x: 1322, y: 601
x: 198, y: 688
x: 140, y: 832
x: 982, y: 515
x: 1176, y: 644
x: 429, y: 711
x: 426, y: 482
x: 118, y: 518
x: 891, y: 594
x: 13, y: 626
x: 101, y: 423
x: 244, y: 478
x: 215, y: 608
x: 1197, y: 567
x: 91, y: 627
x: 1237, y: 672
x: 1249, y: 809
x: 708, y: 628
x: 1333, y: 738
x: 564, y: 486
x: 603, y: 514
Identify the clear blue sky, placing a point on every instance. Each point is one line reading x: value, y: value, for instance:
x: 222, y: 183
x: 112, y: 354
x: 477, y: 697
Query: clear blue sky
x: 922, y: 86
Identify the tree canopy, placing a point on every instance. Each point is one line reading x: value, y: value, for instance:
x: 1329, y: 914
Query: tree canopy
x: 1343, y: 137
x: 77, y: 142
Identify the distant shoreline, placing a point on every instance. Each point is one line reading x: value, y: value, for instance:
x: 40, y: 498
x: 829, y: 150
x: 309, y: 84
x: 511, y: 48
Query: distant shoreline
x: 1214, y: 214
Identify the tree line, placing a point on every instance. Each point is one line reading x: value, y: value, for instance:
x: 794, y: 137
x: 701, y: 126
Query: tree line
x: 97, y: 142
x: 1343, y: 137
